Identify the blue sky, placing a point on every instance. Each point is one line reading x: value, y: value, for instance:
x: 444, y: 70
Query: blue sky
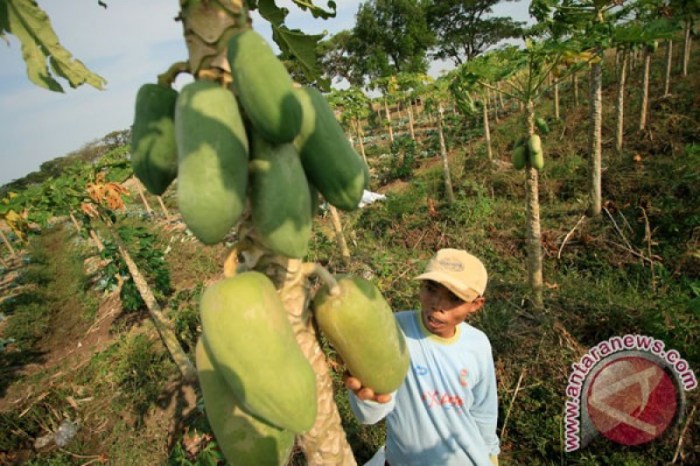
x: 128, y: 44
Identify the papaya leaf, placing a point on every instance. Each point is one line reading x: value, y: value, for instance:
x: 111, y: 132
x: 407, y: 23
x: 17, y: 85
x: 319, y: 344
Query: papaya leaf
x: 272, y: 13
x: 317, y: 11
x: 32, y: 27
x: 302, y: 47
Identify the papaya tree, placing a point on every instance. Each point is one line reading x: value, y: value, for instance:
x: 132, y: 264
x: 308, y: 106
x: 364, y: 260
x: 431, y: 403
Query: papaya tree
x: 590, y: 22
x: 435, y: 95
x: 408, y: 86
x: 354, y: 105
x: 527, y: 72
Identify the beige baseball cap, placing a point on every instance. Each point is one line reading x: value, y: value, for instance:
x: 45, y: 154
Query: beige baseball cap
x: 459, y: 272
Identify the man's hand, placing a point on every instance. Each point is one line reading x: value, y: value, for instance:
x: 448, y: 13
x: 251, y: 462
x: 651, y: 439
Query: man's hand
x: 364, y: 393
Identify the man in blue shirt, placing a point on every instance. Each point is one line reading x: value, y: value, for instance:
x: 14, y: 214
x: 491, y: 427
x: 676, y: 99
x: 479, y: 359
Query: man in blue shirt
x: 445, y: 411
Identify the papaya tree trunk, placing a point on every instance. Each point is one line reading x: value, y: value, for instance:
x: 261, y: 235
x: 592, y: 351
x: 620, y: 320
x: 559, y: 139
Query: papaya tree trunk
x: 645, y: 91
x: 594, y: 138
x: 388, y: 121
x: 339, y: 236
x: 574, y: 84
x: 443, y: 154
x: 8, y: 244
x: 620, y: 104
x: 487, y: 129
x: 686, y: 48
x: 163, y: 325
x: 534, y: 236
x: 669, y: 61
x: 556, y: 100
x: 165, y: 210
x: 360, y: 138
x: 326, y: 443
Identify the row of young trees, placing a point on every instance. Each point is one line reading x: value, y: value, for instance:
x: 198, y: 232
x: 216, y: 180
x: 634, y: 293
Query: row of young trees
x: 568, y: 39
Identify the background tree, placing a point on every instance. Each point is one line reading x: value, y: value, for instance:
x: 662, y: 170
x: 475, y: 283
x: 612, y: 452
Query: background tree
x: 463, y: 31
x: 391, y: 36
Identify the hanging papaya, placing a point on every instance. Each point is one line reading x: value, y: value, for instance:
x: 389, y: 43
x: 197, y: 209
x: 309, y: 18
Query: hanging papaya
x: 153, y: 150
x: 519, y: 157
x: 242, y: 438
x: 252, y: 345
x: 212, y: 160
x: 279, y: 198
x: 359, y: 324
x: 536, y: 155
x: 542, y: 125
x: 330, y: 162
x: 264, y: 87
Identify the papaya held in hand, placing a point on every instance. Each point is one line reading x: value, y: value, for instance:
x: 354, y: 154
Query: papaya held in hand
x: 361, y: 327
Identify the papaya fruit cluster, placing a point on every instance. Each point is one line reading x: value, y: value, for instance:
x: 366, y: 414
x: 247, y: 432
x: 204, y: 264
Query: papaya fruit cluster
x: 262, y: 142
x: 528, y: 152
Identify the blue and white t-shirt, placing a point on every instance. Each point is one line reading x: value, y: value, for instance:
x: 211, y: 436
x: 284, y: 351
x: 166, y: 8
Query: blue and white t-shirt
x: 445, y: 411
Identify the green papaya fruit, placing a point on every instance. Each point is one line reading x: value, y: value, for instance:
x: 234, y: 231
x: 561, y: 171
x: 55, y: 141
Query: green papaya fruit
x: 252, y: 345
x: 542, y: 125
x: 264, y: 87
x: 280, y: 198
x: 242, y: 438
x: 536, y: 155
x: 329, y: 160
x: 153, y: 150
x: 360, y: 325
x: 212, y: 160
x: 519, y: 157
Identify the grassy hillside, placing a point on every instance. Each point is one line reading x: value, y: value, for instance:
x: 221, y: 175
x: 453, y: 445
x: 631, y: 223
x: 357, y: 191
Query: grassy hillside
x: 74, y: 348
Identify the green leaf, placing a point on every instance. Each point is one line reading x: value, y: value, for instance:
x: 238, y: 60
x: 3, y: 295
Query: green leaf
x: 32, y: 27
x: 271, y: 12
x: 303, y: 48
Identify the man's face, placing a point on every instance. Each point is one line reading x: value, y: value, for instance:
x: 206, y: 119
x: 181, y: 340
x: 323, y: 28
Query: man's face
x: 442, y: 310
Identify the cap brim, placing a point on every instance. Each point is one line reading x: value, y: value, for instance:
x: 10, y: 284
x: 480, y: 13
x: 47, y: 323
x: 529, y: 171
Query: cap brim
x: 448, y: 282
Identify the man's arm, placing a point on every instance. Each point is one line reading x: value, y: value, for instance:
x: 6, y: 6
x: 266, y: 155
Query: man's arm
x: 485, y: 407
x: 368, y: 411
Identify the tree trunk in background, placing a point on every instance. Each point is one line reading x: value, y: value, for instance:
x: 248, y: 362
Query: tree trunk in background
x: 165, y: 210
x: 360, y: 139
x: 574, y: 84
x: 96, y: 239
x: 669, y: 60
x: 556, y: 100
x: 645, y: 91
x: 143, y: 198
x: 487, y: 129
x: 594, y: 137
x: 75, y: 222
x: 8, y: 244
x: 445, y: 164
x: 409, y: 109
x: 534, y: 236
x: 326, y: 443
x: 339, y: 236
x: 620, y: 104
x: 163, y: 325
x: 388, y: 121
x: 686, y: 48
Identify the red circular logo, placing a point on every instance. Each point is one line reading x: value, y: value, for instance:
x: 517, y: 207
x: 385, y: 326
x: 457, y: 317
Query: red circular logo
x: 632, y: 400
